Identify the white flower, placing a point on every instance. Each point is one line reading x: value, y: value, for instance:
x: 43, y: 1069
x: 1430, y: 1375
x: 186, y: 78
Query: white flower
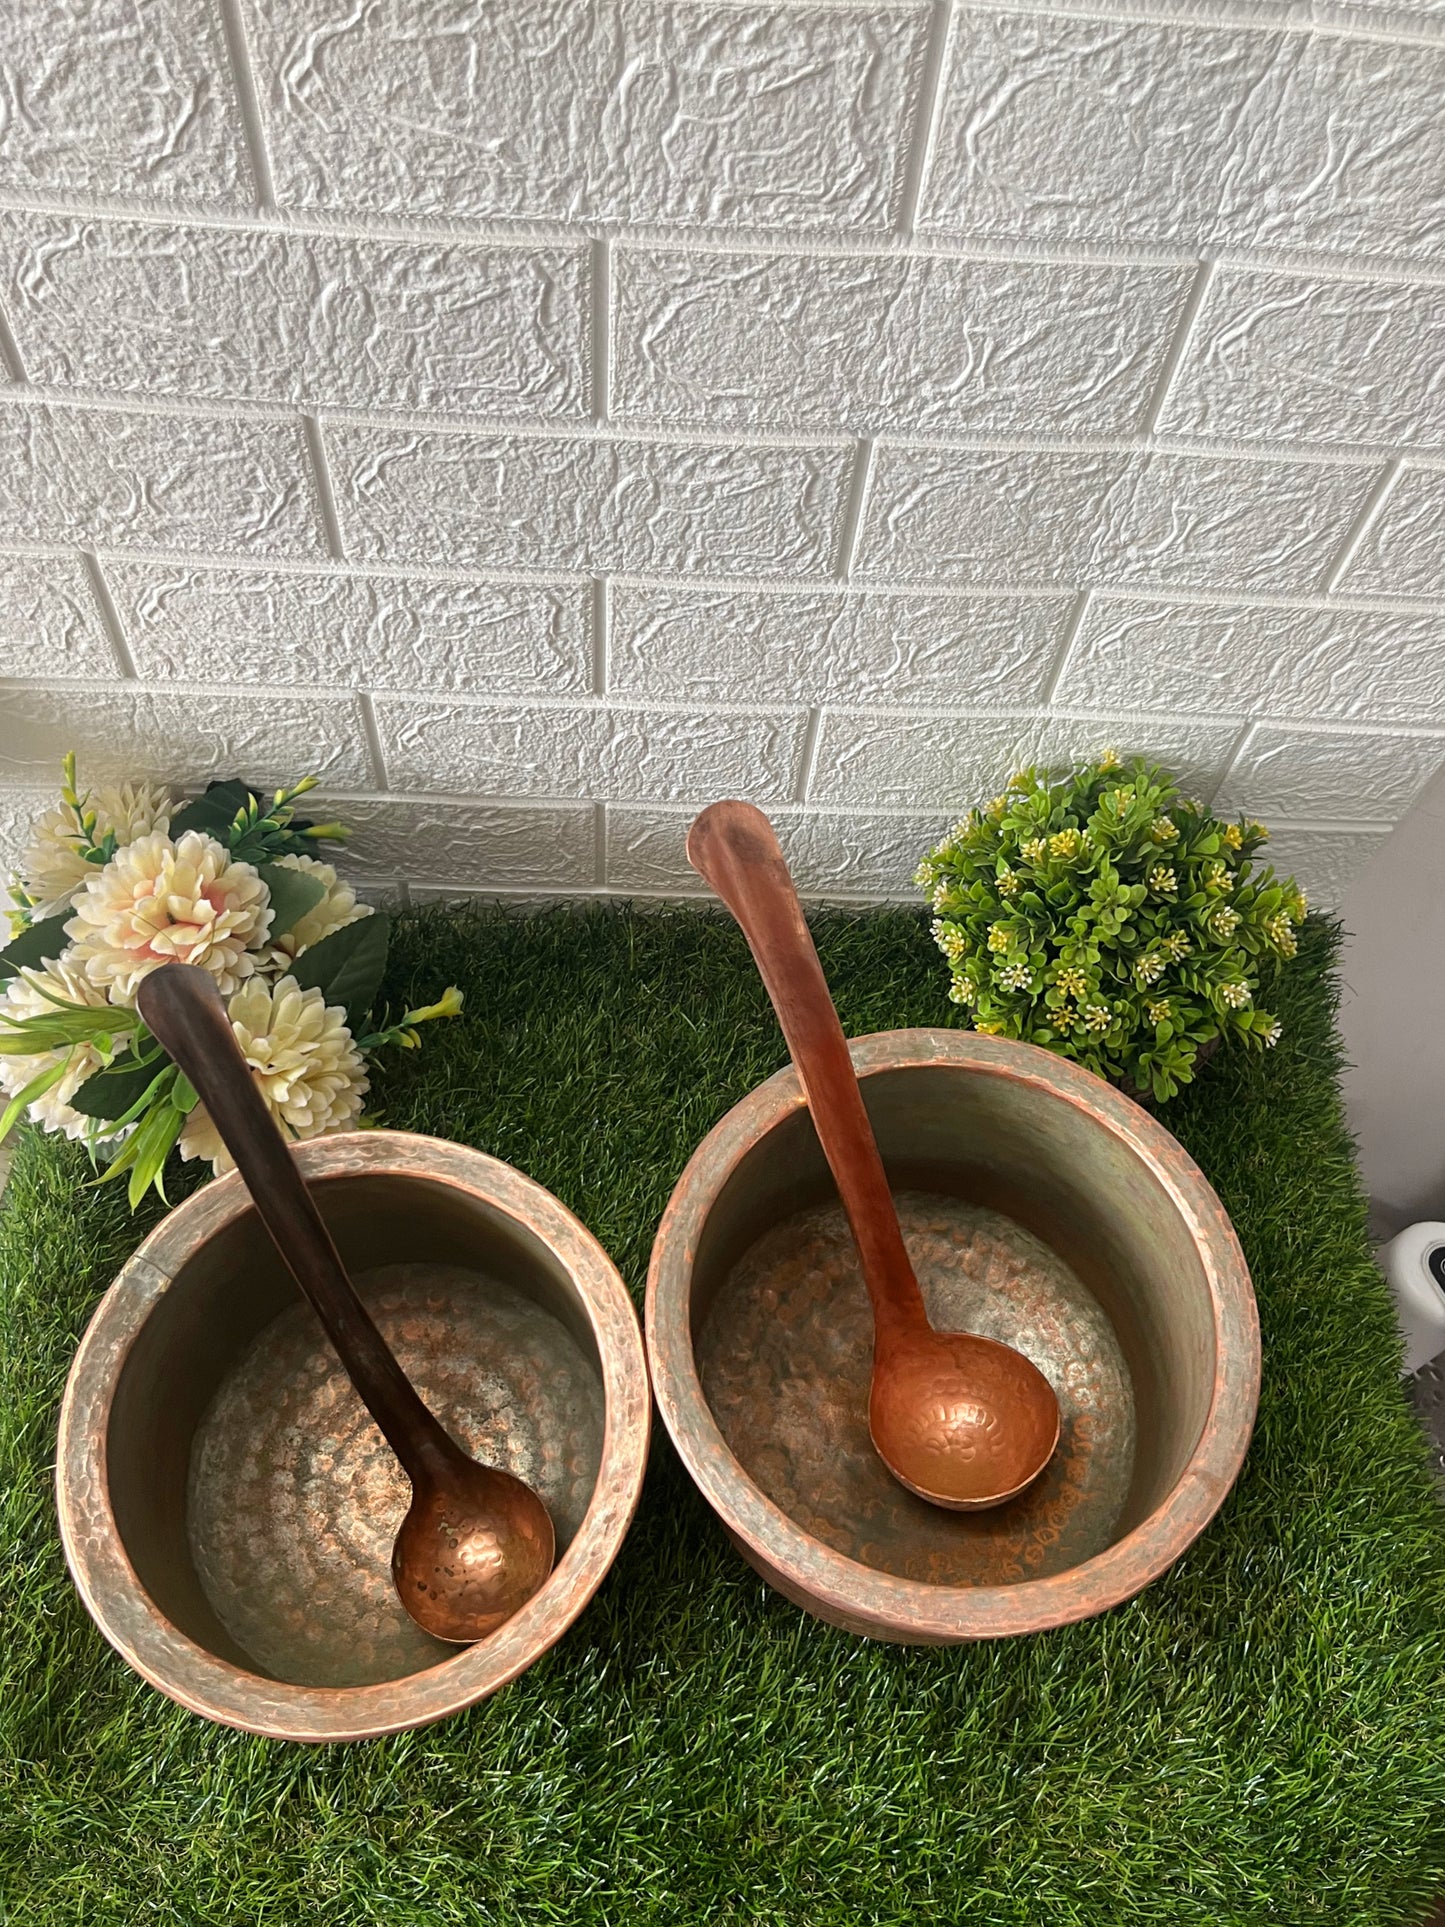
x: 160, y: 902
x: 1235, y: 995
x: 131, y: 810
x: 1224, y: 922
x: 1281, y: 934
x: 951, y: 940
x: 335, y: 910
x: 53, y: 868
x: 300, y: 1051
x: 31, y: 994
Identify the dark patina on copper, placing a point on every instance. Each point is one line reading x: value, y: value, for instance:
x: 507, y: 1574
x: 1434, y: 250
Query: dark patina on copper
x: 200, y: 1367
x: 1029, y: 1186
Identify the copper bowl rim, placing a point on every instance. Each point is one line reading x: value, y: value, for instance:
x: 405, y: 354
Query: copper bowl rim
x: 199, y: 1679
x: 843, y: 1589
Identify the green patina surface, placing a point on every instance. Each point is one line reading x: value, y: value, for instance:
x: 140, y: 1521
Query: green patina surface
x: 1259, y: 1738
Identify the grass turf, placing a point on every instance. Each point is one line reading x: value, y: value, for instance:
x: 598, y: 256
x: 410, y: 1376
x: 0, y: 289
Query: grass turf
x: 1260, y: 1737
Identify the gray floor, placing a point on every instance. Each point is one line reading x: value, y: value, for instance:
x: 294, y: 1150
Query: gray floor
x: 1427, y: 1394
x: 1392, y: 1016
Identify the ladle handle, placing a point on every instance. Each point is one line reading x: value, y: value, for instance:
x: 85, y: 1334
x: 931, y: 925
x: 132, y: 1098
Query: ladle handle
x: 733, y: 847
x: 182, y: 1007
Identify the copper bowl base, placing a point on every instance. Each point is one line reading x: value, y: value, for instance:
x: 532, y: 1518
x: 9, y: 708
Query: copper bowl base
x: 785, y: 1359
x: 1041, y: 1208
x: 228, y: 1508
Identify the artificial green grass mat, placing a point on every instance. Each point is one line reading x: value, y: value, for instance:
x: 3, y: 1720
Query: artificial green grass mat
x: 1260, y: 1737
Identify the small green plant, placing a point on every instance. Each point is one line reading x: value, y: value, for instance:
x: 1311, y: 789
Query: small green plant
x: 1103, y: 915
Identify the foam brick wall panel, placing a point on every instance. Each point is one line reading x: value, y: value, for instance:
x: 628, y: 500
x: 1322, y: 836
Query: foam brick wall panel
x: 541, y: 419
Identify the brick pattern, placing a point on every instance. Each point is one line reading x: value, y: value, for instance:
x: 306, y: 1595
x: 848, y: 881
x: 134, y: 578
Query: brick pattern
x: 654, y: 111
x: 1189, y: 133
x: 887, y: 343
x: 837, y: 402
x: 584, y: 505
x: 313, y: 320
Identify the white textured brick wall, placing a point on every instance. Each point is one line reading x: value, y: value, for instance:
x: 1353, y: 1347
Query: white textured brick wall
x: 543, y: 418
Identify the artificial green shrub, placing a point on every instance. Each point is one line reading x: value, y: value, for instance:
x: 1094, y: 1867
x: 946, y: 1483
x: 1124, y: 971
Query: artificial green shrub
x: 1105, y: 916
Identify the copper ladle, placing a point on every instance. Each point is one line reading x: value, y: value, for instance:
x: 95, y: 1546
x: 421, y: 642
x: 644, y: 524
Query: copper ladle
x: 476, y: 1543
x: 961, y: 1420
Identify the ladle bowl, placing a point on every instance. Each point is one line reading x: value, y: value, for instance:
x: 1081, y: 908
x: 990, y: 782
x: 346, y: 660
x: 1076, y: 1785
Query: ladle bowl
x: 1040, y: 1207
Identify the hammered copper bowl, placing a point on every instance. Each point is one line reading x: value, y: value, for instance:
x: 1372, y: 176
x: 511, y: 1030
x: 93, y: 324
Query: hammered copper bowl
x: 1041, y: 1207
x: 226, y: 1506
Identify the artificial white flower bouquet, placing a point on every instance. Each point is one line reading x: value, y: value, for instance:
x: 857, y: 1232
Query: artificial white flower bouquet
x: 115, y: 885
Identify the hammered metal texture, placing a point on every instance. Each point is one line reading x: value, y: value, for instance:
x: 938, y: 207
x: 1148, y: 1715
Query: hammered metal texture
x: 295, y: 1497
x: 785, y: 1359
x: 1016, y: 1129
x: 169, y: 1334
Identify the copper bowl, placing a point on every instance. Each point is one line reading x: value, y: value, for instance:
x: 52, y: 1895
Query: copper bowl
x: 227, y: 1507
x: 1041, y: 1207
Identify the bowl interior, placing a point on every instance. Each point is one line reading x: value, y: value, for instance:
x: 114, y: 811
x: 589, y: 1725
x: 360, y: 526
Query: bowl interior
x: 1038, y: 1197
x: 254, y: 1497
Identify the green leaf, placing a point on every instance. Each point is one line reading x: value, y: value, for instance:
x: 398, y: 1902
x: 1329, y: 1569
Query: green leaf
x: 33, y: 946
x: 347, y: 966
x: 293, y: 893
x: 214, y: 812
x: 153, y: 1143
x: 111, y: 1092
x: 26, y: 1096
x: 157, y: 1093
x: 59, y: 1027
x: 120, y: 1161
